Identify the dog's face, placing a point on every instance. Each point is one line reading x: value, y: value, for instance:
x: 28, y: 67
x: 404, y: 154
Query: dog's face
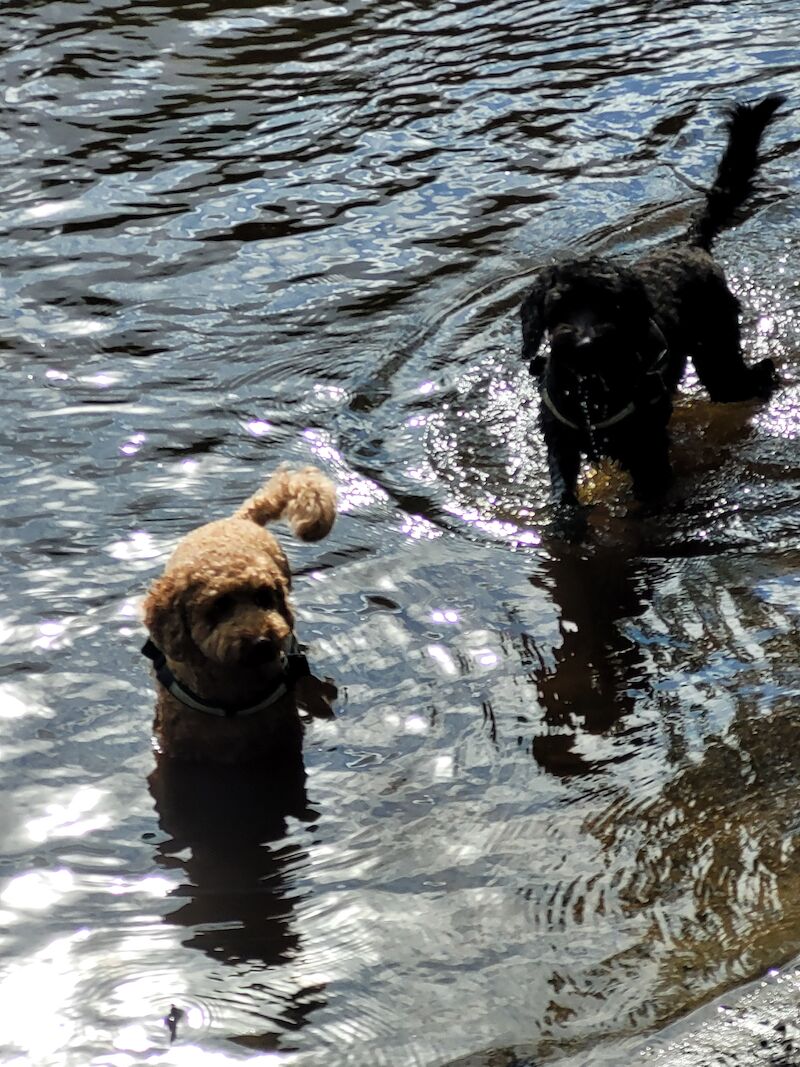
x: 584, y: 326
x: 594, y: 315
x: 223, y: 599
x: 240, y: 625
x: 238, y: 619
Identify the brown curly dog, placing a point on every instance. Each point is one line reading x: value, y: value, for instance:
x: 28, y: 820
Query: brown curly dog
x: 227, y: 665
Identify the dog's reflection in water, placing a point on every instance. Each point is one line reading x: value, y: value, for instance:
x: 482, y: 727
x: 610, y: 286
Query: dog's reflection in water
x: 597, y: 672
x: 226, y: 828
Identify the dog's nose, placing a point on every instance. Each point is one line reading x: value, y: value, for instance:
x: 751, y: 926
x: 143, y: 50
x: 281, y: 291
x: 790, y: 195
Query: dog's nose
x: 259, y: 650
x: 584, y: 339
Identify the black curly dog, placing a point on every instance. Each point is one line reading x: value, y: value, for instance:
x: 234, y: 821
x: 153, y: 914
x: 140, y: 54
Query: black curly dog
x: 620, y: 336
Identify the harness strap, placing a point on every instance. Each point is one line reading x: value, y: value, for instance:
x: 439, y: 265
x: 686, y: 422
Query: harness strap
x: 657, y: 370
x: 629, y: 409
x: 295, y: 666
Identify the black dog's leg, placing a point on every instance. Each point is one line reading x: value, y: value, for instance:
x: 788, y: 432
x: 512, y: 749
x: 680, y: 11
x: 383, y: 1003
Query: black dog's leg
x: 650, y: 483
x: 720, y: 365
x: 650, y: 468
x: 563, y: 462
x: 737, y: 381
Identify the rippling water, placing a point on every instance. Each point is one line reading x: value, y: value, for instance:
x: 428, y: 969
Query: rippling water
x: 558, y: 807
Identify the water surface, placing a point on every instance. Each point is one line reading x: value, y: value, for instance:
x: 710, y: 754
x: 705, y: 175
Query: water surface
x: 557, y: 808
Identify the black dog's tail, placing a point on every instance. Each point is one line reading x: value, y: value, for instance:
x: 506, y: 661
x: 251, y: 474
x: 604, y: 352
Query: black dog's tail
x: 734, y: 181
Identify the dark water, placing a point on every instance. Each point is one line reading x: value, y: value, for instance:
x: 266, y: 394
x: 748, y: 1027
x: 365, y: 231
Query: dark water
x: 559, y: 805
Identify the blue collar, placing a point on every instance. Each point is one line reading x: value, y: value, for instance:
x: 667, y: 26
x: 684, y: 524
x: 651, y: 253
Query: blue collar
x: 295, y: 666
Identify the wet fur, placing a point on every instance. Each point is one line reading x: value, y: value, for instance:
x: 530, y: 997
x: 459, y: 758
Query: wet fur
x: 220, y: 613
x: 607, y: 322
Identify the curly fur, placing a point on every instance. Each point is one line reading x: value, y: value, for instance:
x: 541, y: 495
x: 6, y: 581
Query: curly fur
x: 608, y: 324
x: 221, y: 615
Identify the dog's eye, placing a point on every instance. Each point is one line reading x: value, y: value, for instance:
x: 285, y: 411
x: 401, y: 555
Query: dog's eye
x: 220, y: 607
x: 264, y: 598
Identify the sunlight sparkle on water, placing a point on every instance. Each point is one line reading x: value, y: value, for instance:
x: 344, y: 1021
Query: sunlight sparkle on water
x: 781, y: 417
x: 37, y: 890
x: 422, y: 473
x: 526, y: 537
x: 48, y: 978
x: 129, y: 609
x: 50, y: 631
x: 134, y: 997
x: 102, y: 381
x: 11, y: 705
x: 51, y: 207
x: 133, y: 1038
x: 258, y: 427
x: 497, y: 528
x: 152, y: 886
x: 192, y: 1056
x: 443, y: 658
x: 70, y: 818
x: 486, y: 657
x: 140, y: 545
x: 415, y: 724
x: 418, y: 529
x: 353, y: 491
x: 331, y: 392
x: 443, y: 767
x: 80, y: 327
x: 133, y: 444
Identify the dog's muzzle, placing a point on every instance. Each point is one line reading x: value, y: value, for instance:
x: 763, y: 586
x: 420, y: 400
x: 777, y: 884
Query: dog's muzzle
x: 260, y: 651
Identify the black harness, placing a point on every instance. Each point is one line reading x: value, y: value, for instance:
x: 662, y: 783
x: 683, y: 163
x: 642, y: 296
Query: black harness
x: 653, y: 390
x: 294, y: 663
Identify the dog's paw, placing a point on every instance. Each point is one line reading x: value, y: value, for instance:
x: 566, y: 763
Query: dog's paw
x: 764, y: 379
x: 758, y: 382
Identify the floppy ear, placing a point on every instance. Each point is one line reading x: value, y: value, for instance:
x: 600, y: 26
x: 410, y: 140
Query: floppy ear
x: 282, y: 590
x: 164, y: 617
x: 283, y: 564
x: 532, y: 315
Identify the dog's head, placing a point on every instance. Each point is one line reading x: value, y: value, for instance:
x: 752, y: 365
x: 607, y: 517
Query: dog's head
x: 224, y: 608
x: 596, y: 315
